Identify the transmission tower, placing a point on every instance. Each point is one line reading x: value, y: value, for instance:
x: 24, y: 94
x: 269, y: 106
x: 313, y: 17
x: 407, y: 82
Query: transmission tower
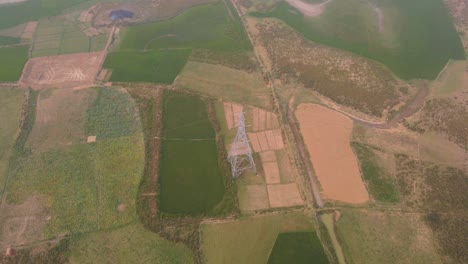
x: 240, y: 154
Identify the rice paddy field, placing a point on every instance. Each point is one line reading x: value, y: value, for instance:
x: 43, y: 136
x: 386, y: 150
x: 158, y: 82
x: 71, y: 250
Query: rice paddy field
x: 210, y: 26
x: 190, y: 162
x: 146, y: 66
x: 12, y: 62
x: 415, y: 39
x: 297, y: 247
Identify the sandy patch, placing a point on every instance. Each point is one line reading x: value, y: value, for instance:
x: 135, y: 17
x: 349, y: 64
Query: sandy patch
x: 253, y: 197
x: 284, y: 195
x: 91, y: 139
x: 311, y: 10
x: 62, y: 71
x: 327, y: 135
x: 29, y: 30
x: 271, y: 171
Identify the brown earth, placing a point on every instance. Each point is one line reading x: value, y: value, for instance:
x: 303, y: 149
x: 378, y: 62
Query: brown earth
x: 327, y: 135
x: 284, y: 195
x: 310, y: 10
x: 62, y: 71
x: 29, y: 30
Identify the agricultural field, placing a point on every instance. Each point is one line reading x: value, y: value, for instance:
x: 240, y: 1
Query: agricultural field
x: 250, y: 240
x: 190, y: 159
x: 11, y: 103
x: 64, y: 35
x: 13, y: 60
x: 222, y: 31
x: 146, y: 66
x: 297, y: 247
x: 225, y: 83
x: 6, y: 41
x: 76, y: 187
x: 376, y: 237
x: 131, y: 243
x: 393, y: 33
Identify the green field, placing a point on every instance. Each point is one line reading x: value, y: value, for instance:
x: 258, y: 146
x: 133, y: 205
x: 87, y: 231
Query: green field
x: 11, y: 104
x: 380, y: 186
x: 12, y: 62
x: 146, y: 66
x: 249, y: 240
x: 9, y: 41
x: 298, y: 248
x: 377, y: 237
x: 209, y: 26
x: 63, y: 35
x: 87, y: 187
x: 129, y: 244
x: 191, y: 180
x: 416, y: 38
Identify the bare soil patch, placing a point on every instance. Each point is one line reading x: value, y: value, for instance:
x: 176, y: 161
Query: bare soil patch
x: 254, y: 197
x: 284, y: 195
x: 62, y: 71
x: 327, y: 135
x: 29, y: 30
x: 231, y: 112
x: 272, y: 175
x: 263, y: 120
x: 266, y: 140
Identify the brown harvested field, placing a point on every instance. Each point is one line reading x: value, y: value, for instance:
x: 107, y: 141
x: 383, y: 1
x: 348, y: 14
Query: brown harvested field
x: 263, y: 120
x: 327, y: 135
x: 271, y: 170
x: 268, y: 156
x: 284, y: 195
x: 29, y: 30
x: 266, y: 140
x: 231, y: 112
x: 62, y: 71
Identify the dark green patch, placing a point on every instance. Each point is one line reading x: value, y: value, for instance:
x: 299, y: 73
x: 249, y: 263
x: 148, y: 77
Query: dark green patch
x: 113, y: 114
x: 146, y: 66
x: 208, y: 26
x: 9, y: 41
x: 297, y: 248
x: 423, y: 31
x: 12, y: 60
x: 191, y: 180
x: 380, y: 185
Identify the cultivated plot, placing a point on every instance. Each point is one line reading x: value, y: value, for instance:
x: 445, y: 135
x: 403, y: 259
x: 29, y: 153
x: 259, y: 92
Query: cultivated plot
x: 12, y: 62
x: 327, y: 137
x: 62, y: 71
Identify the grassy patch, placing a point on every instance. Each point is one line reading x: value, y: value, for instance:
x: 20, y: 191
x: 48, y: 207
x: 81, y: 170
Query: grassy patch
x: 113, y: 114
x: 225, y: 83
x: 146, y: 66
x: 129, y: 244
x: 376, y: 237
x: 12, y: 62
x: 210, y: 26
x: 189, y: 168
x: 9, y: 41
x: 400, y: 42
x: 297, y: 247
x: 380, y: 185
x: 249, y: 240
x: 11, y: 104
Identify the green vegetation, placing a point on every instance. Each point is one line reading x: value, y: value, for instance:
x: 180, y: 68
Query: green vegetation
x: 14, y: 14
x: 87, y: 187
x: 113, y: 114
x: 379, y: 185
x: 297, y: 247
x: 211, y: 26
x: 415, y: 39
x: 129, y: 244
x: 12, y: 62
x: 191, y: 180
x: 376, y: 237
x: 9, y: 41
x: 146, y: 66
x: 249, y: 240
x: 11, y: 104
x: 63, y: 35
